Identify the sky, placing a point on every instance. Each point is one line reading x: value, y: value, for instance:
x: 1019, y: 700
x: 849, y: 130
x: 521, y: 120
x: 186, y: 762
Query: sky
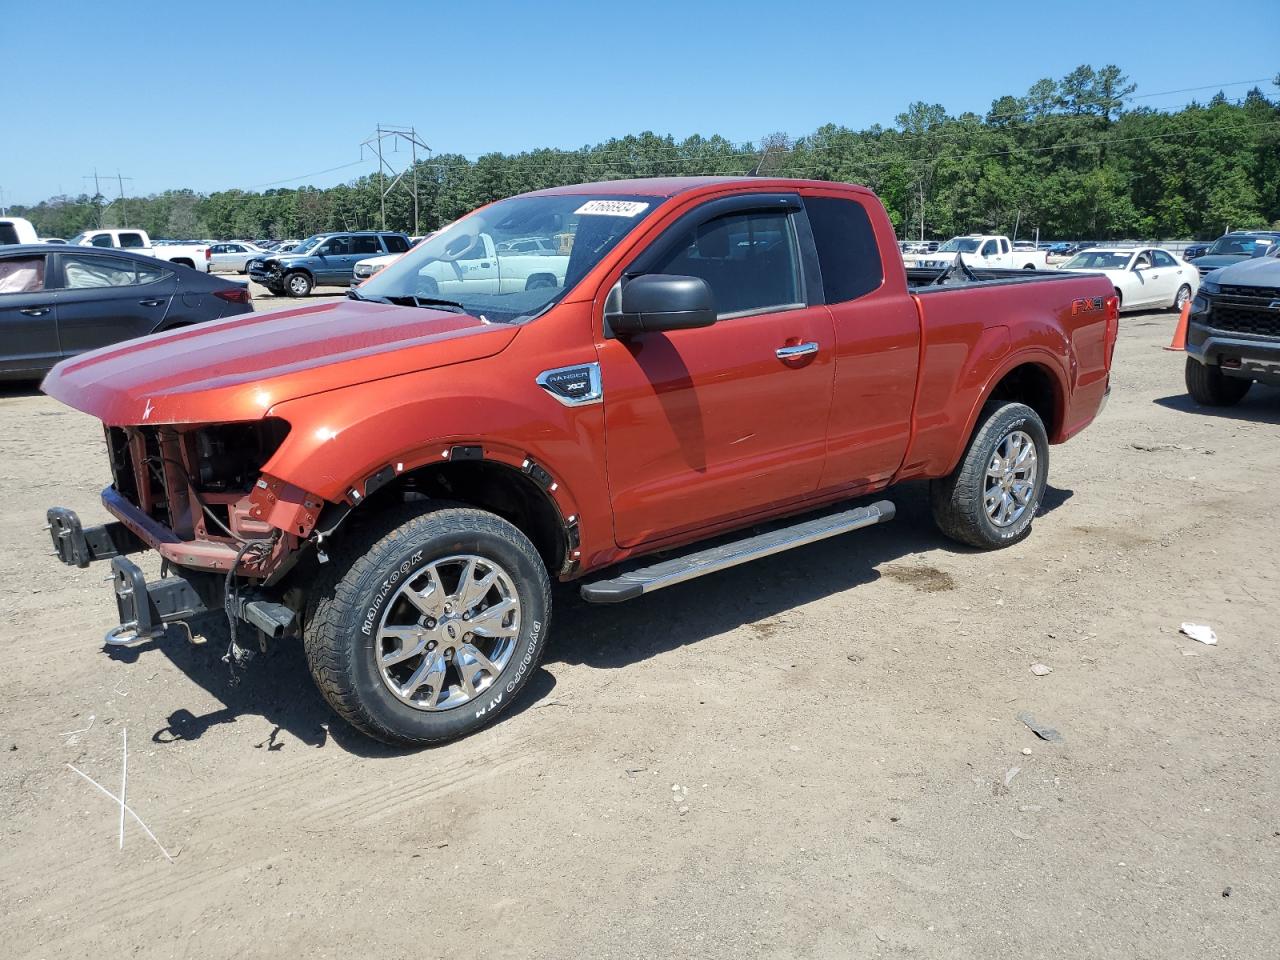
x: 251, y: 95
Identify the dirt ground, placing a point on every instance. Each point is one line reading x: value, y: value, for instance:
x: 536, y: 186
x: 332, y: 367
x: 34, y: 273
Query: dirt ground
x: 817, y: 755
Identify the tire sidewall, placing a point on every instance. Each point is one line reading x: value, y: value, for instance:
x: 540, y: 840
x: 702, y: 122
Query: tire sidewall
x: 1006, y: 422
x: 375, y: 589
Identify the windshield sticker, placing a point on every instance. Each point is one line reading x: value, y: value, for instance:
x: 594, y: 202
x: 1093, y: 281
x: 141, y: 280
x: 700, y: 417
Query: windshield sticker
x: 612, y: 208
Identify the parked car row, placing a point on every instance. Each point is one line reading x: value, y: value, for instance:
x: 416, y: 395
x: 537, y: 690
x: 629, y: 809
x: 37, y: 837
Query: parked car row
x: 980, y: 250
x: 325, y: 259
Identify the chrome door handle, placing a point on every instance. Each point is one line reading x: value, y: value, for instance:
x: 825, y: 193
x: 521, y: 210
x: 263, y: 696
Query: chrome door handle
x: 151, y: 303
x: 799, y: 350
x: 35, y: 311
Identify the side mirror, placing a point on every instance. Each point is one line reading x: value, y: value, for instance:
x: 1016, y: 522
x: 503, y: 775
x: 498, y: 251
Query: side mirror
x: 656, y: 302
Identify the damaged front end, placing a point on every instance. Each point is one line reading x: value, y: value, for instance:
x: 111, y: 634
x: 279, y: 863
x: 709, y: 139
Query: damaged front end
x: 227, y: 533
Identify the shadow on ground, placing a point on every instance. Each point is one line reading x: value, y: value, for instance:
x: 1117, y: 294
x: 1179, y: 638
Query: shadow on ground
x: 277, y: 686
x: 1260, y: 405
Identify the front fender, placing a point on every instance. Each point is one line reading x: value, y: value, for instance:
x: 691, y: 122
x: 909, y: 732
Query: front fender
x: 342, y: 438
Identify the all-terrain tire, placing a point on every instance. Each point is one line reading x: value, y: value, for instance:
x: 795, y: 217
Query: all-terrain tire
x: 1209, y: 386
x: 356, y: 588
x: 958, y: 500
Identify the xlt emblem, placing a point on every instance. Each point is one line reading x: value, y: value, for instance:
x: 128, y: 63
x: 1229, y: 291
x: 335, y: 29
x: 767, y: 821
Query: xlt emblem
x: 575, y: 386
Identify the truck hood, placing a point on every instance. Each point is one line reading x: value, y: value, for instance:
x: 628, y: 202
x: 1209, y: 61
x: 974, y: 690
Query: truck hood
x: 1217, y: 260
x: 239, y: 368
x: 1255, y: 272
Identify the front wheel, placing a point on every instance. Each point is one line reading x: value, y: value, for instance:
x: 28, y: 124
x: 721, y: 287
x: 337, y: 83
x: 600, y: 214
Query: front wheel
x: 298, y: 284
x: 430, y: 626
x: 991, y: 498
x: 1209, y: 386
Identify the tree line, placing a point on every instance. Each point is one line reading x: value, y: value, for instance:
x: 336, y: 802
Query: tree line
x: 1072, y: 158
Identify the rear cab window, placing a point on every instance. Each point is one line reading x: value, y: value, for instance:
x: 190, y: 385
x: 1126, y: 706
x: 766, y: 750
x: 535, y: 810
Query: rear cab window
x: 848, y: 255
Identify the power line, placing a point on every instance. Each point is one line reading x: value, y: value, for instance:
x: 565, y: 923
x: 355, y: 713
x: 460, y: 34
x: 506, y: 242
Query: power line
x: 276, y: 183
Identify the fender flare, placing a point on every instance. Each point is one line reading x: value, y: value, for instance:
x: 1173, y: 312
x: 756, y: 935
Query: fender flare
x: 540, y: 475
x: 1036, y: 356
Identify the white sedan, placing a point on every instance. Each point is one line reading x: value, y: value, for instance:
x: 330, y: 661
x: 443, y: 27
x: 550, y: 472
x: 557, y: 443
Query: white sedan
x: 1144, y: 277
x: 234, y: 256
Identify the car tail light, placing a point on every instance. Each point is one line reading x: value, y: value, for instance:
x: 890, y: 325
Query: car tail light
x: 233, y: 295
x: 1112, y: 307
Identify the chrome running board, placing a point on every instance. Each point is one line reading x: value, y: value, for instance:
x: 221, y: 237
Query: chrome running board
x: 634, y: 583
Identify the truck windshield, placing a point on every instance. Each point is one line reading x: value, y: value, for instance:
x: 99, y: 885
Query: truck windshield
x: 474, y: 265
x: 1240, y: 246
x: 1097, y: 260
x: 960, y: 245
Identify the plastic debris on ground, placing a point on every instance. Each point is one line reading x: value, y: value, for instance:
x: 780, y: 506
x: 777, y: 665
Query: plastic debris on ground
x: 1201, y: 632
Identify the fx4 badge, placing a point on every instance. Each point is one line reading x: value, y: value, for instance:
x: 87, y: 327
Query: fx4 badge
x: 1086, y: 305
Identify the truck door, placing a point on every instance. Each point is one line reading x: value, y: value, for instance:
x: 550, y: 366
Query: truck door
x: 28, y: 331
x: 877, y: 345
x: 103, y: 299
x: 709, y: 424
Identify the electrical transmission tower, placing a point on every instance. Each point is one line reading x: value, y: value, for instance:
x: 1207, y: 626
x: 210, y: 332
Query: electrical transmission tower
x: 397, y: 135
x: 97, y: 196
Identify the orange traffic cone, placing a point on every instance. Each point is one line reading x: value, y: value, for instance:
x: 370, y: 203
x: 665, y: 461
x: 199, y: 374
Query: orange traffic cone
x: 1179, y: 341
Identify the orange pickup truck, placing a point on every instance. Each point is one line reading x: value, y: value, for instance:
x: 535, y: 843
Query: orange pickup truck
x: 395, y: 478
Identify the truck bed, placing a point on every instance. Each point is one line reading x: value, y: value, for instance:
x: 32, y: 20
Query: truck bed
x: 924, y: 279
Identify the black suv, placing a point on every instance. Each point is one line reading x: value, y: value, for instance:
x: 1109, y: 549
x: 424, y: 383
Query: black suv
x: 326, y: 258
x: 1233, y: 332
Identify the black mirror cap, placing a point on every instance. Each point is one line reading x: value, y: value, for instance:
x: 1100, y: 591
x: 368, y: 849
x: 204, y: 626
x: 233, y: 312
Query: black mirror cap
x: 656, y: 302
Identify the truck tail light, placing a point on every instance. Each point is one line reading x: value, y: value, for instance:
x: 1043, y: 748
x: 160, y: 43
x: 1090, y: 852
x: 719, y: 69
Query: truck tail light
x: 207, y: 254
x: 1112, y: 307
x: 234, y: 295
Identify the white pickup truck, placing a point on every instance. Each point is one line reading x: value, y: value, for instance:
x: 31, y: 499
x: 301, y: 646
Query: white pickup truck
x: 17, y: 230
x: 484, y: 267
x: 195, y: 256
x: 980, y: 250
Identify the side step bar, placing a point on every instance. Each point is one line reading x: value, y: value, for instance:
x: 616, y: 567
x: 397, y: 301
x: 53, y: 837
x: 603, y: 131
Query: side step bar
x: 628, y: 586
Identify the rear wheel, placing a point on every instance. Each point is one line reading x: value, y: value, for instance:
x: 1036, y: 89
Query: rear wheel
x: 1181, y: 297
x: 1209, y: 386
x: 429, y: 627
x: 298, y: 284
x: 991, y: 498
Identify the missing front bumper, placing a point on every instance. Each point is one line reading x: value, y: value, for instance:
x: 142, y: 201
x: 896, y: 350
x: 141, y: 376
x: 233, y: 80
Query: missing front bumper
x: 146, y: 608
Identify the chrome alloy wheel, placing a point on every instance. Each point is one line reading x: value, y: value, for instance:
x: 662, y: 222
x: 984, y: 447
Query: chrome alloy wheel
x: 1181, y: 297
x: 1011, y: 479
x: 448, y: 632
